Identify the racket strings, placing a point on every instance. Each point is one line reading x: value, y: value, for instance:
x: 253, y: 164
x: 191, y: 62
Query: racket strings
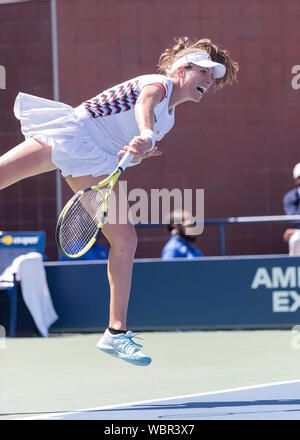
x: 80, y: 224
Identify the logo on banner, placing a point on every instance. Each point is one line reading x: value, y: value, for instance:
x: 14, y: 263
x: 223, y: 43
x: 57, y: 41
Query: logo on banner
x: 284, y: 283
x: 24, y: 240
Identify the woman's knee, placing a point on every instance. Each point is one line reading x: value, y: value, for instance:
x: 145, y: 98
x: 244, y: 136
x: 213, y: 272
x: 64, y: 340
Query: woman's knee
x: 126, y: 244
x: 123, y: 240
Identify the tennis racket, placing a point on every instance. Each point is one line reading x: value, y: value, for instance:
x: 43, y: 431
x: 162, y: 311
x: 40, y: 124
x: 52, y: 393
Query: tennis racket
x: 84, y: 215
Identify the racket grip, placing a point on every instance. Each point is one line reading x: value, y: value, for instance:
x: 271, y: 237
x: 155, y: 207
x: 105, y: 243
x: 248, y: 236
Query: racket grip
x: 126, y: 159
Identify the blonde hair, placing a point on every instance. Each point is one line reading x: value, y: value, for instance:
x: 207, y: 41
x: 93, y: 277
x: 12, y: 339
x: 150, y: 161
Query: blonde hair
x: 184, y: 46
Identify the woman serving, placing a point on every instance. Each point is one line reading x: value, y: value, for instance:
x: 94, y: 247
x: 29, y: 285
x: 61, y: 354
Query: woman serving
x: 85, y: 143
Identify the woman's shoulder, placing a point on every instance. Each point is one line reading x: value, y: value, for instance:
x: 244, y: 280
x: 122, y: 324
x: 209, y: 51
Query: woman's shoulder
x: 153, y: 78
x: 164, y: 81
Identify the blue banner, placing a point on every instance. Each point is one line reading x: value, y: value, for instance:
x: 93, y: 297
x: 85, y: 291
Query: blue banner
x: 204, y: 293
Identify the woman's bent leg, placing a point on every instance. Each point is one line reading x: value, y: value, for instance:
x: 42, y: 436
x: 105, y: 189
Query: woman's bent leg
x: 27, y: 159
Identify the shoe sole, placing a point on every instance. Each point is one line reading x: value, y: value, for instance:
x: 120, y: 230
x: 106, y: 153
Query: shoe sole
x: 138, y: 362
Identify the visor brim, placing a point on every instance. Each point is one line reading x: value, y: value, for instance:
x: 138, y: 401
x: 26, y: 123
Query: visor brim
x: 219, y: 70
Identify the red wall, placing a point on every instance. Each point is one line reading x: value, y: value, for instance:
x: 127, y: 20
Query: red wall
x: 26, y: 54
x: 239, y: 144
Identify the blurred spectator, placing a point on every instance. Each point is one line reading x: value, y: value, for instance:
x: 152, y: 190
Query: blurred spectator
x: 97, y: 252
x: 181, y: 227
x: 291, y: 206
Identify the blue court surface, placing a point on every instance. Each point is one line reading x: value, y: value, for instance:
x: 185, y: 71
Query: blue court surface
x: 274, y: 401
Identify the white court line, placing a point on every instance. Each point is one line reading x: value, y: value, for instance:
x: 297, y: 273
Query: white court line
x: 142, y: 402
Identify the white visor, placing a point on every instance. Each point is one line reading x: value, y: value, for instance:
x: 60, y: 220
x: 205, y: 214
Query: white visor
x: 296, y: 171
x: 200, y: 59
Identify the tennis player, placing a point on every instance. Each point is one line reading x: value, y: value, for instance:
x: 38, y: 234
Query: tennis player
x: 86, y: 142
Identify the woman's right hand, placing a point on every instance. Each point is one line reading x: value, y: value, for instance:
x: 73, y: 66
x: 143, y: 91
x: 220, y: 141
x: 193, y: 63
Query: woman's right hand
x: 140, y: 148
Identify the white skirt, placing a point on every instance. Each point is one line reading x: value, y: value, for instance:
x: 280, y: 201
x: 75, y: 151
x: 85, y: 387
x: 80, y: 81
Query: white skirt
x: 76, y: 150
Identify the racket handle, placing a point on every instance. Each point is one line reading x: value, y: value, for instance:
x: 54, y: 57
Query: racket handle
x: 126, y: 159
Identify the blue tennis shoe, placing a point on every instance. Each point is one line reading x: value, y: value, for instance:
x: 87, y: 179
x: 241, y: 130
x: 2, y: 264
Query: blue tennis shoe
x: 124, y: 347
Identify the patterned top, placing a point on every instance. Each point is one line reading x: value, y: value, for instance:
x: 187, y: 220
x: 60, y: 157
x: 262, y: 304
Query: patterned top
x: 112, y: 112
x: 115, y: 100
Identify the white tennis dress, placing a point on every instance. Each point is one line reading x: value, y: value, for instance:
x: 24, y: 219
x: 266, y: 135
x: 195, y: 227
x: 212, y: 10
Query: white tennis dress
x: 85, y: 140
